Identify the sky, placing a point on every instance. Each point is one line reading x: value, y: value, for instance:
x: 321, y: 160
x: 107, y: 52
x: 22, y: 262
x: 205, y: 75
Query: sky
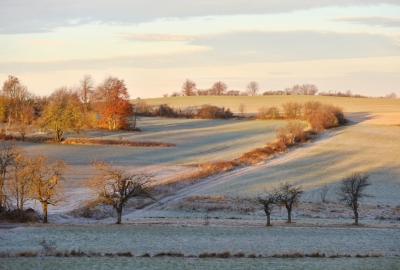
x: 155, y: 45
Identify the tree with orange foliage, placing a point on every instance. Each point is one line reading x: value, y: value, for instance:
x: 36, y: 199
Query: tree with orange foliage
x: 112, y: 102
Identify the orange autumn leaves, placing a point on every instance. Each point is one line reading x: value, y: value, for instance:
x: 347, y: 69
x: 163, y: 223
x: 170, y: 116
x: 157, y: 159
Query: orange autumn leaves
x: 112, y: 103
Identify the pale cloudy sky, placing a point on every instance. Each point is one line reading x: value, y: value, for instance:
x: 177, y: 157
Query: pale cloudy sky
x: 154, y: 45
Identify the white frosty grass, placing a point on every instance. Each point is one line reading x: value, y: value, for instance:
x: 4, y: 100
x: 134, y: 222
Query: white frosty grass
x: 196, y: 140
x: 370, y: 148
x: 195, y: 263
x: 194, y: 240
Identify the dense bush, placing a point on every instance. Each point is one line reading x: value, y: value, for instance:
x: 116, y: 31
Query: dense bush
x: 213, y: 112
x: 165, y: 111
x: 268, y: 113
x: 322, y: 116
x: 292, y: 110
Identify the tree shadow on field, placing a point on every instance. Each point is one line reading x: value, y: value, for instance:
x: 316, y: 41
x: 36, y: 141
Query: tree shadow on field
x: 356, y: 118
x: 168, y: 124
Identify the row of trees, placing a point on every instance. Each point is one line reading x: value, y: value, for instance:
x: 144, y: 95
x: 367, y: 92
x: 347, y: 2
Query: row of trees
x: 66, y: 109
x: 351, y: 191
x: 39, y: 178
x: 252, y: 89
x: 219, y: 88
x: 201, y: 112
x: 297, y: 89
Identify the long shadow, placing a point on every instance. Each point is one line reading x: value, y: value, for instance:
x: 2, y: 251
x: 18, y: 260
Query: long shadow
x: 356, y: 118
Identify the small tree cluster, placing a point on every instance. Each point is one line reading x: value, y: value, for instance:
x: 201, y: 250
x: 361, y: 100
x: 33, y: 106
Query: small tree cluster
x: 219, y: 88
x: 203, y: 112
x: 320, y: 116
x: 286, y: 195
x: 304, y: 89
x: 66, y: 109
x: 26, y: 178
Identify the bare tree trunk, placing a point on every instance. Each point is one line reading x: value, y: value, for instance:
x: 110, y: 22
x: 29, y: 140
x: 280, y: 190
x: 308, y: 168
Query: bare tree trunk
x: 268, y: 220
x: 1, y: 196
x: 119, y: 216
x: 21, y: 211
x: 289, y: 213
x: 44, y: 207
x: 119, y: 211
x: 355, y: 217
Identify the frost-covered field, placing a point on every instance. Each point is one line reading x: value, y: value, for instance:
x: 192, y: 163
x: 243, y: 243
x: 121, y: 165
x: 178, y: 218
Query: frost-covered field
x: 195, y: 240
x: 196, y: 263
x: 196, y: 140
x: 371, y: 148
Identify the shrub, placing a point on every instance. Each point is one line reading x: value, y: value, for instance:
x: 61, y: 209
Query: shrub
x: 213, y: 112
x: 262, y: 113
x: 268, y: 113
x: 322, y: 116
x: 165, y: 111
x: 292, y: 110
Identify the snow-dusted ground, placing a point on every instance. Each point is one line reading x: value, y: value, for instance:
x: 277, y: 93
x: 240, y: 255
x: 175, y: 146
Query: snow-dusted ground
x: 196, y: 263
x: 192, y: 237
x: 177, y: 224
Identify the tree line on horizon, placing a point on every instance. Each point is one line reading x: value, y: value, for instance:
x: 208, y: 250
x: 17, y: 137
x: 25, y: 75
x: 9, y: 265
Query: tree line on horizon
x: 219, y: 88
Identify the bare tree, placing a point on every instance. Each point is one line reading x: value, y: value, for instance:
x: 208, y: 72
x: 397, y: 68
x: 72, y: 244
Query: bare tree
x: 85, y: 93
x: 289, y: 196
x: 391, y: 95
x: 45, y: 176
x: 18, y: 184
x: 268, y: 202
x: 86, y: 90
x: 115, y: 186
x: 219, y: 88
x: 352, y: 190
x: 189, y: 88
x: 8, y: 153
x: 252, y: 88
x: 324, y: 192
x: 242, y: 109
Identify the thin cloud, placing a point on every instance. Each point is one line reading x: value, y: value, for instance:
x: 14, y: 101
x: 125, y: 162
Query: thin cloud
x: 21, y: 16
x: 371, y: 21
x: 227, y: 49
x: 47, y: 42
x: 154, y: 37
